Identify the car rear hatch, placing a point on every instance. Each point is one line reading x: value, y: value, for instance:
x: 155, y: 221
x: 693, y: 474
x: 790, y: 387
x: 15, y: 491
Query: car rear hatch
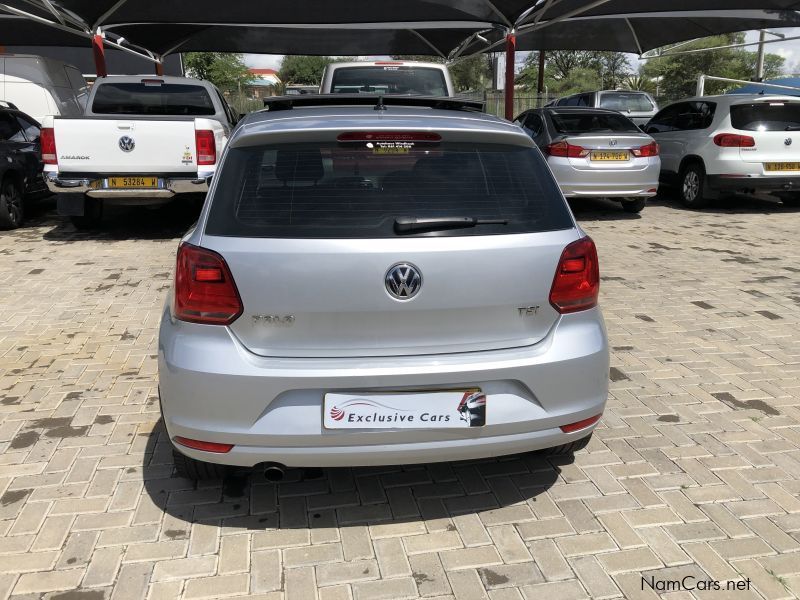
x: 309, y: 233
x: 637, y: 106
x: 773, y: 129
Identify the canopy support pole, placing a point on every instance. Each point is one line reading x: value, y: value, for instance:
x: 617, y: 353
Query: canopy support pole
x: 540, y: 81
x: 159, y: 69
x: 99, y: 56
x: 511, y: 47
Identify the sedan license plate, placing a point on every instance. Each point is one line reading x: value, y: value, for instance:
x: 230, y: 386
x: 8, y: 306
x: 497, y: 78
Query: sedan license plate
x: 412, y: 410
x: 782, y: 166
x: 602, y: 155
x: 133, y: 182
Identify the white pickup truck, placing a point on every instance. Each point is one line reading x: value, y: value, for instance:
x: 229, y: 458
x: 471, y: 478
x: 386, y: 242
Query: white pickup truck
x: 404, y: 77
x: 142, y: 140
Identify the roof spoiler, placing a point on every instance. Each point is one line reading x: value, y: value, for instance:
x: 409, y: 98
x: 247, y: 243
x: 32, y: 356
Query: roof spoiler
x: 8, y: 104
x: 380, y: 102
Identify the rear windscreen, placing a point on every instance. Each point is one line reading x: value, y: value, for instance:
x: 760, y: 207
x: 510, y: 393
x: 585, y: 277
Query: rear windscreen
x: 356, y: 190
x: 766, y: 116
x: 389, y: 79
x: 588, y: 122
x: 626, y: 101
x: 151, y: 99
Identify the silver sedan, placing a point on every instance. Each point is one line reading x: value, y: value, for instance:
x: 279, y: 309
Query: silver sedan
x: 594, y: 152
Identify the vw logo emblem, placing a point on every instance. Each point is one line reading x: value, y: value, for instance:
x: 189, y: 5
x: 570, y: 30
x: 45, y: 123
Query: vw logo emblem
x: 612, y: 142
x: 788, y: 141
x: 126, y: 144
x: 403, y: 281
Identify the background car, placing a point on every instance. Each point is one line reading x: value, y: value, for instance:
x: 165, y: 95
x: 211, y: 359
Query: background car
x: 639, y: 107
x: 20, y: 164
x: 387, y: 77
x: 714, y: 145
x: 339, y: 302
x: 596, y: 153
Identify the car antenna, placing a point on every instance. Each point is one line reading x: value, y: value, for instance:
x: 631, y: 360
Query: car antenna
x: 380, y: 105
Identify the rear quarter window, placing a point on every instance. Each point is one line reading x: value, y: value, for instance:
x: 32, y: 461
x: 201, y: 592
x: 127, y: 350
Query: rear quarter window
x: 356, y: 190
x: 152, y: 99
x: 766, y: 116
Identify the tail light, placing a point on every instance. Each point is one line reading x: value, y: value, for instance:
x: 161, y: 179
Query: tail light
x: 734, y: 140
x: 576, y: 285
x: 566, y: 150
x: 47, y: 141
x: 206, y: 147
x: 204, y: 288
x: 650, y: 149
x: 388, y: 136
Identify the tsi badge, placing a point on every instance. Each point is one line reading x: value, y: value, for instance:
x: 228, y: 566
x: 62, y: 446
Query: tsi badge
x: 278, y: 320
x: 126, y: 143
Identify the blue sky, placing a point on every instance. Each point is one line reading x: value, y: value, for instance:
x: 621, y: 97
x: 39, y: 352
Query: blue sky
x: 789, y: 50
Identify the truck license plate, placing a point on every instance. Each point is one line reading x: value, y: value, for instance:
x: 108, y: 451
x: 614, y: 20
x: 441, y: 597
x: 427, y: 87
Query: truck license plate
x: 133, y: 182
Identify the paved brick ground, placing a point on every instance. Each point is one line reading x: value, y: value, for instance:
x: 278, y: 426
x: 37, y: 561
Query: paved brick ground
x: 695, y: 470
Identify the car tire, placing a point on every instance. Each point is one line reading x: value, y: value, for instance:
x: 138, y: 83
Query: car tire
x: 692, y: 186
x: 92, y: 215
x: 634, y: 205
x: 11, y: 210
x: 571, y: 448
x: 196, y: 470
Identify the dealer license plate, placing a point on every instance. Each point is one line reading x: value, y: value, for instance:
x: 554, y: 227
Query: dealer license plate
x: 450, y: 409
x: 603, y: 155
x: 133, y: 182
x: 782, y: 166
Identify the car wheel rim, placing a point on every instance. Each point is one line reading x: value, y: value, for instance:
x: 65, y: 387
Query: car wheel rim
x: 691, y: 185
x: 13, y: 204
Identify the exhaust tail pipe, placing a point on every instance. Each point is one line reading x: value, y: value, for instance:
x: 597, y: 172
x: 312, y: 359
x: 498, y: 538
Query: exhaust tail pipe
x: 273, y: 472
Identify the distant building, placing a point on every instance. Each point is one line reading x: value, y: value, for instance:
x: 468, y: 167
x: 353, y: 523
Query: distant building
x: 265, y: 83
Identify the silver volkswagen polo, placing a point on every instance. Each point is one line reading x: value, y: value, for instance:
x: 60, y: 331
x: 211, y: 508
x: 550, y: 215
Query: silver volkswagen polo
x: 380, y: 282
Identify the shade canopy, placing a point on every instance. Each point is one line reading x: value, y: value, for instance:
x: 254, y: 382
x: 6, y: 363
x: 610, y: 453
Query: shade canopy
x: 640, y: 32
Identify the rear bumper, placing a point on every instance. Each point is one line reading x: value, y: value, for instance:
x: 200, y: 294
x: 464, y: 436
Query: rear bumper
x: 98, y: 187
x: 607, y: 183
x: 751, y: 182
x: 213, y: 389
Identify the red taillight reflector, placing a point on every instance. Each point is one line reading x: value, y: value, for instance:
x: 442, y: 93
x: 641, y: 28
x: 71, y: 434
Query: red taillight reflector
x: 47, y: 141
x: 206, y: 147
x: 650, y: 149
x: 734, y: 140
x: 388, y: 62
x: 204, y: 446
x: 204, y: 288
x: 576, y: 284
x: 389, y: 136
x: 577, y: 426
x: 566, y: 150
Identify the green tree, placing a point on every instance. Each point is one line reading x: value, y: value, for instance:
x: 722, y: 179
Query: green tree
x: 303, y: 70
x: 470, y: 73
x: 225, y: 70
x: 679, y: 72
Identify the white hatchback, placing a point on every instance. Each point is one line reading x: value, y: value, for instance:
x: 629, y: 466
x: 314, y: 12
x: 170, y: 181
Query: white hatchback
x: 716, y: 145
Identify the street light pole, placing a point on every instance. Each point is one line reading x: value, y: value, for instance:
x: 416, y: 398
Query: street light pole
x: 760, y: 61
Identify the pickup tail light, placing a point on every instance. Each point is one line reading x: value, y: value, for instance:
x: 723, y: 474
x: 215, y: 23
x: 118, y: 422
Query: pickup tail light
x: 206, y: 147
x: 650, y: 149
x: 734, y: 140
x: 47, y: 141
x: 566, y: 150
x: 204, y: 288
x: 576, y: 284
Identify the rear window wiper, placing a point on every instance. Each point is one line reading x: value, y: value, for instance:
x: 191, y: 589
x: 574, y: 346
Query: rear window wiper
x: 411, y: 224
x: 792, y: 128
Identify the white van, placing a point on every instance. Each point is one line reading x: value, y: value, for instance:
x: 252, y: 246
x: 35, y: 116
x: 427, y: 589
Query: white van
x: 41, y: 86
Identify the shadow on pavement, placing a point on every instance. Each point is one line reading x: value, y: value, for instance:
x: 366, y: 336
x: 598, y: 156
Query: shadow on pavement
x: 170, y: 221
x: 737, y: 204
x: 600, y: 209
x: 330, y: 498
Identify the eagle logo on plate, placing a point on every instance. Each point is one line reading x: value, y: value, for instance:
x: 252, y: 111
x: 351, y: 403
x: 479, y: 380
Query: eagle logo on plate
x: 126, y: 144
